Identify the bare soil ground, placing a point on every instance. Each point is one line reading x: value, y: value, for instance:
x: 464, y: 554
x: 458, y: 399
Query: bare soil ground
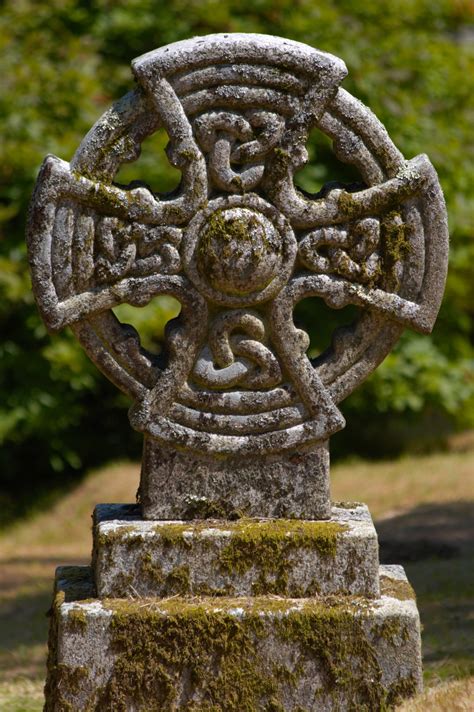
x: 424, y: 512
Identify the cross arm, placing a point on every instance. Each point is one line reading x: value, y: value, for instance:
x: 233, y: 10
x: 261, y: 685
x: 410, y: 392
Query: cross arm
x: 93, y: 246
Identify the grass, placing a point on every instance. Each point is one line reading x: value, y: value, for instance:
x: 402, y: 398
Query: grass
x: 424, y: 511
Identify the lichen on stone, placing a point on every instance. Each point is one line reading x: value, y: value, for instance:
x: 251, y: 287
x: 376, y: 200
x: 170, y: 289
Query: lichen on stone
x: 205, y: 655
x: 395, y: 244
x: 268, y: 546
x: 399, y: 589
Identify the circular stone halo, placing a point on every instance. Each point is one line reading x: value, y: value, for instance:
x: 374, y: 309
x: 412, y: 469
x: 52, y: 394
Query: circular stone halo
x: 358, y: 139
x: 265, y: 262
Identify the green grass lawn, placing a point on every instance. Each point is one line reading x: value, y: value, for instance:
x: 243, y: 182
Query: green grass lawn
x: 424, y: 512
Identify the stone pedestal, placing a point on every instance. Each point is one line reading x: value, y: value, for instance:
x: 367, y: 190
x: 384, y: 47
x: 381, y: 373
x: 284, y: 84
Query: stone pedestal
x: 247, y: 557
x: 225, y: 616
x: 179, y: 485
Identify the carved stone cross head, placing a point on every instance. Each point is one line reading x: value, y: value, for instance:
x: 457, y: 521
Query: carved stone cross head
x: 238, y: 244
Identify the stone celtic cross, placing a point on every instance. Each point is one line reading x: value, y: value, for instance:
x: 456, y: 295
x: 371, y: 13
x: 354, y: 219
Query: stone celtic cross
x: 277, y: 599
x: 238, y: 245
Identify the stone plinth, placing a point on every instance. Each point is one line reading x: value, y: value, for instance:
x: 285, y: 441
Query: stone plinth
x: 135, y: 557
x: 177, y: 485
x: 232, y: 654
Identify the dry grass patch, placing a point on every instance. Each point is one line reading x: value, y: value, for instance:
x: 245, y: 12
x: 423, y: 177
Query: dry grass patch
x: 22, y: 695
x: 455, y: 696
x: 65, y: 529
x: 392, y: 487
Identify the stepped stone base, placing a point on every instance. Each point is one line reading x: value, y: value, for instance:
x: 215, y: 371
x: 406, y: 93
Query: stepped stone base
x: 225, y: 654
x: 294, y: 558
x: 176, y: 485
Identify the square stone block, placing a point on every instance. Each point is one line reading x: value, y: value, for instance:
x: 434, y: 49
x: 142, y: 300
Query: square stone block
x: 135, y: 557
x: 232, y: 654
x: 178, y: 485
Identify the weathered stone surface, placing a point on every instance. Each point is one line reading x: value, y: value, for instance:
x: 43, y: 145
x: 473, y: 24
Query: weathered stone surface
x: 234, y: 654
x: 293, y: 558
x: 176, y: 485
x: 238, y: 245
x: 235, y: 414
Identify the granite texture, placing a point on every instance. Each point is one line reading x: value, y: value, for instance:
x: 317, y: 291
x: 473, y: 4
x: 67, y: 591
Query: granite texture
x: 177, y: 485
x: 238, y: 245
x: 233, y: 654
x: 294, y: 558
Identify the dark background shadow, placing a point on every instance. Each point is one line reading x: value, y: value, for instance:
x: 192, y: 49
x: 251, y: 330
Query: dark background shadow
x: 435, y: 543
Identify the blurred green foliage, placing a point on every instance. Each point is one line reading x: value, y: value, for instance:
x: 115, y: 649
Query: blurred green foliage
x: 65, y: 61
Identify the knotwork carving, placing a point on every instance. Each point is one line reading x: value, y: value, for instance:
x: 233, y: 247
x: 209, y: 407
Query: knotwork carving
x: 240, y: 360
x: 230, y: 139
x: 238, y: 244
x: 134, y: 250
x: 350, y: 251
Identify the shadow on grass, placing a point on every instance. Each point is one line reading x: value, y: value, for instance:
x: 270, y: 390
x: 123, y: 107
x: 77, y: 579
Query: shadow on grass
x: 24, y: 630
x: 436, y: 544
x: 26, y: 589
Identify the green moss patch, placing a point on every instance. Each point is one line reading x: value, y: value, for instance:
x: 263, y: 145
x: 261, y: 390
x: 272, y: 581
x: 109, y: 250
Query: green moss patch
x: 348, y: 505
x: 267, y: 547
x: 395, y: 245
x: 176, y: 654
x: 396, y: 589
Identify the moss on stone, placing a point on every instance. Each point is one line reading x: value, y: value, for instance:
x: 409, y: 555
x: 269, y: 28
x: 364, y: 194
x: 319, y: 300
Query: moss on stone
x: 178, y: 580
x: 237, y: 183
x: 233, y: 252
x: 151, y: 570
x: 173, y: 535
x: 393, y: 630
x: 396, y: 588
x: 353, y: 564
x: 175, y: 581
x: 402, y: 689
x: 123, y: 584
x: 52, y: 674
x: 215, y: 653
x: 281, y: 162
x: 347, y: 207
x: 347, y: 505
x: 70, y: 681
x: 203, y: 508
x: 77, y: 619
x: 395, y: 246
x: 264, y: 545
x: 206, y: 655
x: 334, y: 635
x: 267, y: 546
x: 203, y: 589
x: 62, y: 678
x: 223, y: 232
x: 389, y: 630
x: 122, y: 534
x: 171, y: 652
